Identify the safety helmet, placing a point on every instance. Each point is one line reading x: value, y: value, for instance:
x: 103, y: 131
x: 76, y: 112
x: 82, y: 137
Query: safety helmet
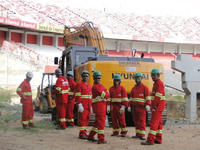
x: 155, y: 71
x: 138, y: 74
x: 117, y: 77
x: 96, y: 73
x: 85, y: 72
x: 29, y: 74
x: 58, y: 71
x: 70, y: 73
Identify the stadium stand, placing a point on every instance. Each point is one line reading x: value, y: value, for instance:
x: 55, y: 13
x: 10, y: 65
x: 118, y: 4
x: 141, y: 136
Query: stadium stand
x: 113, y: 25
x: 145, y: 27
x: 34, y: 55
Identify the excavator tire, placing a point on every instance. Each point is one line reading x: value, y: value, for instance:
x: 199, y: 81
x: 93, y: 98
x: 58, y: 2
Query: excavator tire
x: 43, y: 105
x: 53, y: 115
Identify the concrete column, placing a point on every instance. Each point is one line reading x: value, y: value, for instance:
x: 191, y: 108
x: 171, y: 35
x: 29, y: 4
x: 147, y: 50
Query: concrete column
x: 55, y: 41
x: 163, y: 48
x: 117, y: 46
x: 179, y: 49
x: 8, y: 35
x: 40, y: 39
x: 24, y: 38
x: 190, y: 74
x: 190, y: 105
x: 148, y: 48
x: 195, y: 49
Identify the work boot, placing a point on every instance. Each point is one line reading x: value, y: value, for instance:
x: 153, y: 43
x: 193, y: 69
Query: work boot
x: 146, y: 143
x: 102, y: 142
x: 56, y: 123
x: 156, y: 142
x: 60, y: 128
x: 114, y: 134
x: 92, y: 140
x: 142, y: 138
x: 135, y: 136
x: 123, y: 135
x: 70, y: 126
x: 31, y: 125
x: 26, y: 127
x: 84, y: 137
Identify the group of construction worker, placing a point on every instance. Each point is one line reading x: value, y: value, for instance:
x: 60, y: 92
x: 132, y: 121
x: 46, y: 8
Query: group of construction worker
x: 98, y: 100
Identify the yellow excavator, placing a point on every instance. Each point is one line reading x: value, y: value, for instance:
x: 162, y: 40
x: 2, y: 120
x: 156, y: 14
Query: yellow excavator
x: 45, y: 101
x: 85, y: 50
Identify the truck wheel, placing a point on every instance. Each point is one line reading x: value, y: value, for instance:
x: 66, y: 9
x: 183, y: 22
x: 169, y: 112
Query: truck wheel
x: 53, y: 115
x: 75, y: 114
x: 35, y: 107
x: 43, y: 105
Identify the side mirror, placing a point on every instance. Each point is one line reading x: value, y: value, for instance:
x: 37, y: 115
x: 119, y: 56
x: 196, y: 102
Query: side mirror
x: 55, y: 60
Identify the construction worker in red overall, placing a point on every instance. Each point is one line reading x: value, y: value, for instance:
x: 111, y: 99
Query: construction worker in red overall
x: 117, y: 105
x: 157, y: 107
x: 25, y: 93
x: 140, y: 101
x: 83, y: 97
x: 61, y: 92
x: 99, y: 97
x: 71, y: 99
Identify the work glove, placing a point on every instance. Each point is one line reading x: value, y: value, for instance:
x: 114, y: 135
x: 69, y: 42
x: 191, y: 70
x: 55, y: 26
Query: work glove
x: 122, y: 109
x: 80, y: 108
x: 147, y: 108
x: 108, y: 109
x: 91, y: 110
x: 129, y: 109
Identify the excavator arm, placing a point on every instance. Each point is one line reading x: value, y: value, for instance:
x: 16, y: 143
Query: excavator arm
x: 84, y: 35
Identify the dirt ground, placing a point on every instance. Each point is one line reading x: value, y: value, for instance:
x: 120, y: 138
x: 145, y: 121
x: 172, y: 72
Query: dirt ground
x: 13, y: 137
x: 44, y: 137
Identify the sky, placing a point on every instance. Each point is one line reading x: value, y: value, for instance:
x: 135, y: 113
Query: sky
x: 184, y: 8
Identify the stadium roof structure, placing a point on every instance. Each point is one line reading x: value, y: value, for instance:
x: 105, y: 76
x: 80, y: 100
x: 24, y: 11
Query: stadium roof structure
x: 33, y: 15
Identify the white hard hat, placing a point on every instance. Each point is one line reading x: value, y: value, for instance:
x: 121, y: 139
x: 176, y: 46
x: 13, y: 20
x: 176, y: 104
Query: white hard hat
x: 29, y: 74
x: 58, y: 71
x: 70, y: 73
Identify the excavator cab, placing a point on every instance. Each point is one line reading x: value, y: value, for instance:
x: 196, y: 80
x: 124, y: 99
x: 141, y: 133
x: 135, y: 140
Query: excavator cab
x: 75, y: 56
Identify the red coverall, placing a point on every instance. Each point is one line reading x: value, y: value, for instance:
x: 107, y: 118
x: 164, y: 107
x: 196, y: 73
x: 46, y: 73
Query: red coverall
x: 158, y: 104
x: 99, y: 109
x: 83, y: 94
x: 118, y: 97
x: 70, y: 104
x: 61, y: 91
x: 24, y: 91
x: 140, y: 97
